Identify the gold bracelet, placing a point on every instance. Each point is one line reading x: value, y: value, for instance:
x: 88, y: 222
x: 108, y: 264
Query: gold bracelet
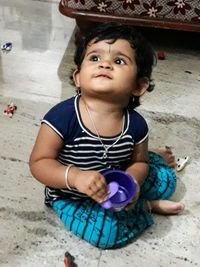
x: 66, y: 177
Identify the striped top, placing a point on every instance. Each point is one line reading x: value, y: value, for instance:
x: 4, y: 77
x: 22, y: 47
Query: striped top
x: 83, y: 149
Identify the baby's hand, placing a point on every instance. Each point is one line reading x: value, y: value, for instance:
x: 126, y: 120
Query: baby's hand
x: 93, y: 184
x: 132, y: 203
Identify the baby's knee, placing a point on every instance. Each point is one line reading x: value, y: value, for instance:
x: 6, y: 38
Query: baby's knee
x: 104, y: 236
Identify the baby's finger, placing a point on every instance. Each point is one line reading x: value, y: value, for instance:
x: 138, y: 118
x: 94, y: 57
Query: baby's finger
x: 100, y: 187
x: 100, y: 195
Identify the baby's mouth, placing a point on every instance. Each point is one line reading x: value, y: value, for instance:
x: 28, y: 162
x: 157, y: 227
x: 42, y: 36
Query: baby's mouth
x: 103, y: 75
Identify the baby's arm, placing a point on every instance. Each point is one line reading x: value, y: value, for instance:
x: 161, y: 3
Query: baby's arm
x: 43, y: 160
x: 45, y: 167
x: 138, y: 168
x: 139, y: 163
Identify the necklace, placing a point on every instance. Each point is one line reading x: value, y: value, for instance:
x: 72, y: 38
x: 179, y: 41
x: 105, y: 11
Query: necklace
x: 106, y: 147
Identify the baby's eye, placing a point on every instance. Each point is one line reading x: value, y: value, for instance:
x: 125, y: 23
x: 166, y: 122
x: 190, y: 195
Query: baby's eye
x: 120, y: 61
x: 94, y: 58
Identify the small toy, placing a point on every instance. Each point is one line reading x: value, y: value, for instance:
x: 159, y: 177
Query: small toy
x: 69, y: 260
x: 161, y: 55
x: 9, y: 111
x: 181, y: 163
x: 6, y: 46
x: 121, y: 187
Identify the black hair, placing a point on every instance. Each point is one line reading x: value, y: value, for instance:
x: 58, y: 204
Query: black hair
x: 144, y: 54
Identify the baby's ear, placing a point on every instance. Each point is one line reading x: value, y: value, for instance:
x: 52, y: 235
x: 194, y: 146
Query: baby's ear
x: 75, y: 76
x: 141, y: 87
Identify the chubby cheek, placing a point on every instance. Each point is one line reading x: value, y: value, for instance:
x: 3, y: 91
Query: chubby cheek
x: 84, y: 81
x: 80, y: 78
x: 127, y: 82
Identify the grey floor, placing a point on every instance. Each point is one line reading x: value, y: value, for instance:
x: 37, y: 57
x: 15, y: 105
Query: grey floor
x: 34, y: 75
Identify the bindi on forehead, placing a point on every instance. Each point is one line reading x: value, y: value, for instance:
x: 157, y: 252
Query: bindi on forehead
x: 110, y: 46
x: 104, y: 45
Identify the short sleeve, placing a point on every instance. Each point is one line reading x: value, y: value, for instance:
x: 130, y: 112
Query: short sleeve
x: 59, y: 117
x: 138, y: 127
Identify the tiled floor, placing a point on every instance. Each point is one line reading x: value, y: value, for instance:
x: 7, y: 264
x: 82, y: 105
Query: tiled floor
x: 35, y: 75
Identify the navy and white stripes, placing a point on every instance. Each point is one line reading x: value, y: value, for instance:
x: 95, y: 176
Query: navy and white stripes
x: 84, y: 149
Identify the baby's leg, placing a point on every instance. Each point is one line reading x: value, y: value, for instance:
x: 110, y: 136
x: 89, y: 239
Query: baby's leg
x: 165, y: 207
x: 160, y: 183
x: 102, y: 228
x: 167, y: 154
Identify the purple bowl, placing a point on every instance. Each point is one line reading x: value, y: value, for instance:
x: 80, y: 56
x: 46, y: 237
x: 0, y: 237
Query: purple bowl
x: 122, y: 189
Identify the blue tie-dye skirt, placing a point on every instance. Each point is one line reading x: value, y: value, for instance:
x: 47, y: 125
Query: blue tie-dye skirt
x: 106, y: 229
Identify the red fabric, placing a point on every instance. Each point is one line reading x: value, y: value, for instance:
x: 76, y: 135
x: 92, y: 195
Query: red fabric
x: 181, y: 10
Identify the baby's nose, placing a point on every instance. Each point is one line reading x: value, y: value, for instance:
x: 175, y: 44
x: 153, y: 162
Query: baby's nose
x: 105, y: 64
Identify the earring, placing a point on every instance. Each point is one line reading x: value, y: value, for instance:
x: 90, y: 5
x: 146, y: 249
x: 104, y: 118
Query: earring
x: 78, y: 91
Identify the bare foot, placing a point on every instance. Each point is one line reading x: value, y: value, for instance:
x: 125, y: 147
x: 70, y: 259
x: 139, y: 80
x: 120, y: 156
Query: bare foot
x: 165, y: 207
x: 166, y: 154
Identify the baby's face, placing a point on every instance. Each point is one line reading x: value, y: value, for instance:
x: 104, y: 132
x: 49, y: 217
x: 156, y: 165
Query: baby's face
x: 108, y: 69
